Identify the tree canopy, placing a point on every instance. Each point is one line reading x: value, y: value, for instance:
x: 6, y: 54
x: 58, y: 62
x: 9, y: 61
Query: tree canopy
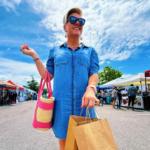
x: 108, y: 74
x: 34, y: 85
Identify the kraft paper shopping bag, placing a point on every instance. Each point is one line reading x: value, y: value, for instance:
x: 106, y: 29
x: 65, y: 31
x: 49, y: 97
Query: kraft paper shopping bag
x: 95, y: 135
x: 75, y: 121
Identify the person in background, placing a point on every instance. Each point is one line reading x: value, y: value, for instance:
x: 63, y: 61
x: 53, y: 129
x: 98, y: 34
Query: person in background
x: 132, y: 91
x: 114, y: 94
x: 103, y: 97
x: 15, y: 96
x: 138, y: 91
x: 119, y: 98
x: 99, y: 95
x: 7, y: 96
x: 148, y: 92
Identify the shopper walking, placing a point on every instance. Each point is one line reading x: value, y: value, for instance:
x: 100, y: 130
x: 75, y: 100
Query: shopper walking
x: 103, y: 96
x: 114, y: 95
x: 132, y: 91
x: 74, y: 67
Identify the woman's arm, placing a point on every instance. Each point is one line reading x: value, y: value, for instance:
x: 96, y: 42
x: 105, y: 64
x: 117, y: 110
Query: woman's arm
x: 41, y: 68
x: 31, y: 52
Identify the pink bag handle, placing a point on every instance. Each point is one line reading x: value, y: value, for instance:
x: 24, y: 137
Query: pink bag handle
x: 42, y: 84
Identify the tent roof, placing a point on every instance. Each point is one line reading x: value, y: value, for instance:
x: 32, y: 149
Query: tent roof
x: 7, y: 85
x: 19, y: 87
x: 111, y: 83
x: 29, y: 90
x: 135, y: 79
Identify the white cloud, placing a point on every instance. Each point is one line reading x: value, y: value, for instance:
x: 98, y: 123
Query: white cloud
x: 108, y: 62
x: 10, y: 5
x: 18, y: 72
x: 114, y: 28
x: 102, y: 62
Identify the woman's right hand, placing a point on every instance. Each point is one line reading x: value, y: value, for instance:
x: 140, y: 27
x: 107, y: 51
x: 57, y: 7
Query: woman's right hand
x: 27, y: 51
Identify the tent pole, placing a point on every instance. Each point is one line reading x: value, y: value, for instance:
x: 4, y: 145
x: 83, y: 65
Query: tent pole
x: 141, y: 88
x: 2, y: 95
x: 142, y: 94
x: 145, y: 87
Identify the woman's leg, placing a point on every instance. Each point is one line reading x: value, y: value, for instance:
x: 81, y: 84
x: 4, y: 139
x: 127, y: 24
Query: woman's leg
x: 62, y: 144
x: 114, y: 103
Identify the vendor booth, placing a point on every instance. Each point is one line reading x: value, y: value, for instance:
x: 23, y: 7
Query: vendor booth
x: 146, y: 97
x: 3, y: 87
x: 108, y: 88
x: 19, y: 90
x: 136, y: 80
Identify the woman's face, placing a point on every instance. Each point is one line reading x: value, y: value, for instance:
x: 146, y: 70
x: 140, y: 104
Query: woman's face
x: 73, y: 29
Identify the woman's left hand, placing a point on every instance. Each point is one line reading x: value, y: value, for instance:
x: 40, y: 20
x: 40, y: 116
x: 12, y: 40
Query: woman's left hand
x: 89, y: 99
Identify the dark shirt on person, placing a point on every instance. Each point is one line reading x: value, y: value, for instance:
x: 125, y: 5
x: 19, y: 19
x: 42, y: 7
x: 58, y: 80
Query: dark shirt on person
x: 119, y: 95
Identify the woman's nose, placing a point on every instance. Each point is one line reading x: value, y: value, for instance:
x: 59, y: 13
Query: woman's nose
x: 77, y: 23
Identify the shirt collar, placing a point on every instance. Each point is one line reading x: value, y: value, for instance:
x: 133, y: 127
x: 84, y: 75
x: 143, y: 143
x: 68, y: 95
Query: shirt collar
x: 66, y: 46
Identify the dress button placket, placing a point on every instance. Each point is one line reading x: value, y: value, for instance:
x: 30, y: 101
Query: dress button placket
x: 73, y: 110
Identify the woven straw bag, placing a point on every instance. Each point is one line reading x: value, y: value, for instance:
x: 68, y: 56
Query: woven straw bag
x: 44, y: 107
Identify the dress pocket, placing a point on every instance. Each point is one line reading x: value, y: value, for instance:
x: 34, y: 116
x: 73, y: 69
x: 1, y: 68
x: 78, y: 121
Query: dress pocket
x: 84, y: 60
x: 61, y: 59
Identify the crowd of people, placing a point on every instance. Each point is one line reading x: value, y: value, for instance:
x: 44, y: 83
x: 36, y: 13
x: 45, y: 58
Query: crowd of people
x: 8, y: 97
x: 132, y: 91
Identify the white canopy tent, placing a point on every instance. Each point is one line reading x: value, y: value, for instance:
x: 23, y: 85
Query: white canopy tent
x: 136, y: 80
x: 111, y: 83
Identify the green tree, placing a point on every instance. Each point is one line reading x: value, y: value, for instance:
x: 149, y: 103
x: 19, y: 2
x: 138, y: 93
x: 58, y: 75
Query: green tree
x: 108, y: 74
x: 33, y: 84
x: 44, y: 92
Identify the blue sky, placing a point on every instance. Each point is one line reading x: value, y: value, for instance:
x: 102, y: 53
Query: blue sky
x: 118, y: 30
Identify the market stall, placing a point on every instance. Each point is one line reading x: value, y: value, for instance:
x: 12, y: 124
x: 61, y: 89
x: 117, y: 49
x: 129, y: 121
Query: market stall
x: 136, y: 80
x: 19, y: 90
x: 4, y: 86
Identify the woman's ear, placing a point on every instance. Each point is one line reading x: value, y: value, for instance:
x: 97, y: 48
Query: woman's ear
x: 64, y: 27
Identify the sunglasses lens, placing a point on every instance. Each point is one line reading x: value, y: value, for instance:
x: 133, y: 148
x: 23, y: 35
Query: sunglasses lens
x: 73, y: 20
x: 82, y: 22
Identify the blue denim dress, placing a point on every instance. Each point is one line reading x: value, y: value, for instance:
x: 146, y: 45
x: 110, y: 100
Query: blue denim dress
x: 71, y: 70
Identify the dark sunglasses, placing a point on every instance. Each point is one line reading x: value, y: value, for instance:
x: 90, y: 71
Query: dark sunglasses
x: 73, y: 20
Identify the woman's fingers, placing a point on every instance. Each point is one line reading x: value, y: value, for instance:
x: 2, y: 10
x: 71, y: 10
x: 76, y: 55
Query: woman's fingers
x: 97, y: 102
x: 91, y: 104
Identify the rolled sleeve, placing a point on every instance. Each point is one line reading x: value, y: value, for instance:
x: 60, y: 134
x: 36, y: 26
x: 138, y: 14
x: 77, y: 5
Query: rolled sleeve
x: 94, y: 63
x: 50, y: 62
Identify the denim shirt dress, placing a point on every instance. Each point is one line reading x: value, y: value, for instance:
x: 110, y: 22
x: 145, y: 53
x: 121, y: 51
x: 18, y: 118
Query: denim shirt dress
x: 71, y: 70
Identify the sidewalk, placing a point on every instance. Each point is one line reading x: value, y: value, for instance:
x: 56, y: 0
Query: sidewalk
x: 130, y: 128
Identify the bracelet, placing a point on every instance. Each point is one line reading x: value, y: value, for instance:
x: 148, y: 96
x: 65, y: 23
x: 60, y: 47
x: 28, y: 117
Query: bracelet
x: 36, y: 59
x: 94, y: 87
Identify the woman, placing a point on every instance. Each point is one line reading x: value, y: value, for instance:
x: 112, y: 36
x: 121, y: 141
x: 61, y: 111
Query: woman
x: 74, y: 67
x: 114, y: 95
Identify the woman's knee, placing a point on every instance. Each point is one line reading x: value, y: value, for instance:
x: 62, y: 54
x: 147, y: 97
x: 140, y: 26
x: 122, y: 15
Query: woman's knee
x: 62, y: 144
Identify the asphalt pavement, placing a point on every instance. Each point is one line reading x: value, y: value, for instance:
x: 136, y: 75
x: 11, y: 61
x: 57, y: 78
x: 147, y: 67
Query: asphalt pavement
x: 131, y: 129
